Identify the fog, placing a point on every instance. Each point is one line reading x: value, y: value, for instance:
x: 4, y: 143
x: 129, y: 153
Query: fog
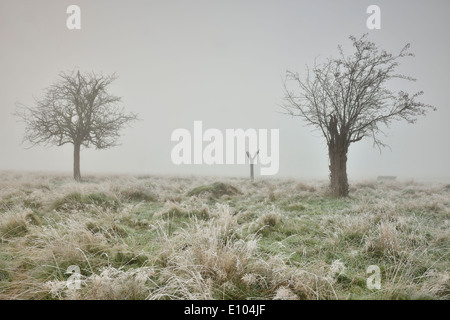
x: 220, y: 62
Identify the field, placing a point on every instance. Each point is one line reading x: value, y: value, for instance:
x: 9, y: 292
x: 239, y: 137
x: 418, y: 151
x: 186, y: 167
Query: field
x: 155, y: 237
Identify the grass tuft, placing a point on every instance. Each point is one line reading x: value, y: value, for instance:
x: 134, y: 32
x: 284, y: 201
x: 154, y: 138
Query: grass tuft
x: 215, y: 190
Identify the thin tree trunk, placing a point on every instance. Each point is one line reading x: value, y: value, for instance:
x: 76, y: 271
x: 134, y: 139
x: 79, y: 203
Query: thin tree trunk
x: 76, y: 162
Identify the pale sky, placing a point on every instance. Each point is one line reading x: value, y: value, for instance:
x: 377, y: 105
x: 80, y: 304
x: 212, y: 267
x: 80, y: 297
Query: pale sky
x: 221, y: 62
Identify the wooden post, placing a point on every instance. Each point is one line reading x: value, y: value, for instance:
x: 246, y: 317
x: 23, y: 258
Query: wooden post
x: 252, y: 175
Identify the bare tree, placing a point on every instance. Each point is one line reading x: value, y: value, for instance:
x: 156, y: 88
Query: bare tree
x: 252, y: 160
x: 77, y: 110
x: 347, y: 100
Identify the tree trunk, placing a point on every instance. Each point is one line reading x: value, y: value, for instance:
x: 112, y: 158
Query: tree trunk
x: 338, y: 171
x: 337, y: 152
x: 76, y: 162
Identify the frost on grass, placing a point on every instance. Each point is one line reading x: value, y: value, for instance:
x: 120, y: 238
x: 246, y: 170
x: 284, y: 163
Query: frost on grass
x: 155, y: 237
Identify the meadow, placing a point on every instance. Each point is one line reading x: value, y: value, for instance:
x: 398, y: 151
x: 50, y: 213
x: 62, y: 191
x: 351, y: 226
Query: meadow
x: 168, y: 237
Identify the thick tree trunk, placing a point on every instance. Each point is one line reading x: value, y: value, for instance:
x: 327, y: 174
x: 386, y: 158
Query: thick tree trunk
x: 76, y: 162
x: 338, y: 171
x: 337, y: 152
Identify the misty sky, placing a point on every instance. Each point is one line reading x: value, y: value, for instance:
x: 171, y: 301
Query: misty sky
x: 221, y: 62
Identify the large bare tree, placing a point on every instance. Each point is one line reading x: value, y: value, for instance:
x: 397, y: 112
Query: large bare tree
x: 76, y: 110
x: 347, y: 99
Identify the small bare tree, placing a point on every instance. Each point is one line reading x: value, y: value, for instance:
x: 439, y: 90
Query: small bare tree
x: 252, y: 164
x: 77, y: 110
x: 347, y: 100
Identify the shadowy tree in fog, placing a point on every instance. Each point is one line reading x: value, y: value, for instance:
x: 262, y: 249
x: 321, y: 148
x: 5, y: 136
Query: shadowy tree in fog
x: 347, y: 100
x: 76, y: 110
